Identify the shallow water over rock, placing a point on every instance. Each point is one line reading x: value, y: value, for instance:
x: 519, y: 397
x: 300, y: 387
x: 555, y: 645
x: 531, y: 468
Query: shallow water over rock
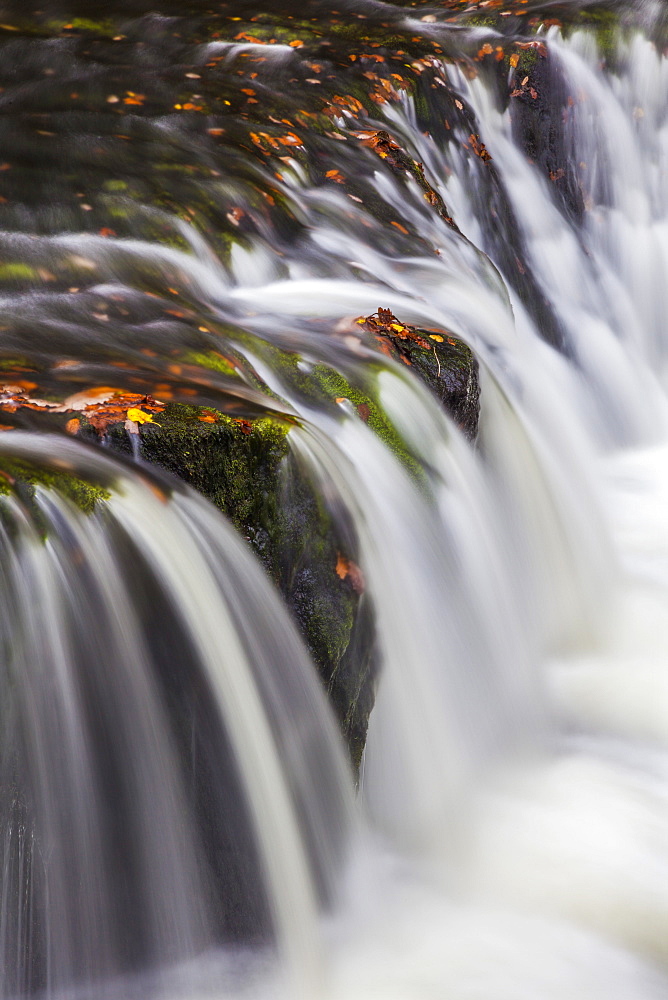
x: 296, y: 216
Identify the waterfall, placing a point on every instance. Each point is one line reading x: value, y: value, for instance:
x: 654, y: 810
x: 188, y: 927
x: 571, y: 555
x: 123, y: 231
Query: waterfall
x: 126, y: 664
x: 178, y: 818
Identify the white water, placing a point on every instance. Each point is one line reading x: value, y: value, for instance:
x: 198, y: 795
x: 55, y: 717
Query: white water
x: 515, y: 792
x: 520, y: 843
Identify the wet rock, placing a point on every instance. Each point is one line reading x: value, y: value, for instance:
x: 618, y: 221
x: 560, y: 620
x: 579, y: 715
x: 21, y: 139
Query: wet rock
x: 443, y: 362
x: 306, y: 542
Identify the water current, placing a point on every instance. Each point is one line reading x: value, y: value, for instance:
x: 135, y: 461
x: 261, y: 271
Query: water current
x: 178, y: 818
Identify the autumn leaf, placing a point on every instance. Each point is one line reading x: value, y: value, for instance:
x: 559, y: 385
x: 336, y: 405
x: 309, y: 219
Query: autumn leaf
x: 479, y: 148
x: 384, y: 324
x: 122, y: 406
x: 245, y: 426
x: 235, y: 215
x: 208, y: 417
x: 346, y: 569
x: 139, y: 417
x: 539, y: 47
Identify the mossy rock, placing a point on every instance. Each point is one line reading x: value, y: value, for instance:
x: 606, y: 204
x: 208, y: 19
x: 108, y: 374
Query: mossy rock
x: 446, y: 365
x: 245, y: 468
x: 309, y: 548
x: 450, y: 370
x: 20, y: 479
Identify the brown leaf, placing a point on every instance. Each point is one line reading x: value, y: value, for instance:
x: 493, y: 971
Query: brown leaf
x: 346, y: 569
x: 479, y: 148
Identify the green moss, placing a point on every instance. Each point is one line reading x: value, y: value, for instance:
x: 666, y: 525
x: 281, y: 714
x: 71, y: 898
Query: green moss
x: 234, y: 464
x: 527, y: 61
x: 15, y: 365
x: 104, y: 27
x: 83, y: 494
x: 247, y: 470
x: 307, y: 552
x: 115, y: 185
x: 480, y: 20
x: 215, y: 362
x: 606, y: 26
x: 18, y: 271
x: 338, y: 387
x: 334, y: 618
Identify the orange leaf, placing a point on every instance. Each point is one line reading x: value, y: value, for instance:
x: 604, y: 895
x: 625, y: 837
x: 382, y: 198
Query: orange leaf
x: 346, y: 569
x: 245, y: 426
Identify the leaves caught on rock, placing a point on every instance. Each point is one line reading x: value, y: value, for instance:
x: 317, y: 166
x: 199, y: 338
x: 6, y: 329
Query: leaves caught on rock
x: 346, y: 569
x: 384, y: 324
x: 100, y: 407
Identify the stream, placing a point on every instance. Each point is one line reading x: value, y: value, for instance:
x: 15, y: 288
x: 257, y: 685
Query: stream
x: 178, y: 816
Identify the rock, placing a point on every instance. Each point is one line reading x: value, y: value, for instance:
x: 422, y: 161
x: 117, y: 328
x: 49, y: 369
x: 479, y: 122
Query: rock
x: 246, y: 468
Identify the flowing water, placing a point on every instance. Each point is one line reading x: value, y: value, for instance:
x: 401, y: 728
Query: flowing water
x: 178, y: 819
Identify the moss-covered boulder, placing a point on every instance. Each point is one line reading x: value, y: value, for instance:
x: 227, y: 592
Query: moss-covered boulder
x: 247, y: 469
x: 21, y: 479
x: 445, y: 364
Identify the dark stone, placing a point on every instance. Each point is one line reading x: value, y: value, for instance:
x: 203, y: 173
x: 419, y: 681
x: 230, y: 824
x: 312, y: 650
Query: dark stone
x: 246, y: 469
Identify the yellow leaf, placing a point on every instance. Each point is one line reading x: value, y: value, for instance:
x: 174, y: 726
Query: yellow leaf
x: 139, y: 416
x: 436, y: 337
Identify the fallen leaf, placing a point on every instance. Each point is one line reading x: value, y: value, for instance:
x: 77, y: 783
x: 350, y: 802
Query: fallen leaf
x: 139, y: 417
x: 346, y: 569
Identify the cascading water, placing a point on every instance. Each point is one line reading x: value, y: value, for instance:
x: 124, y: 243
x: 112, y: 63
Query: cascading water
x: 177, y: 817
x: 151, y: 747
